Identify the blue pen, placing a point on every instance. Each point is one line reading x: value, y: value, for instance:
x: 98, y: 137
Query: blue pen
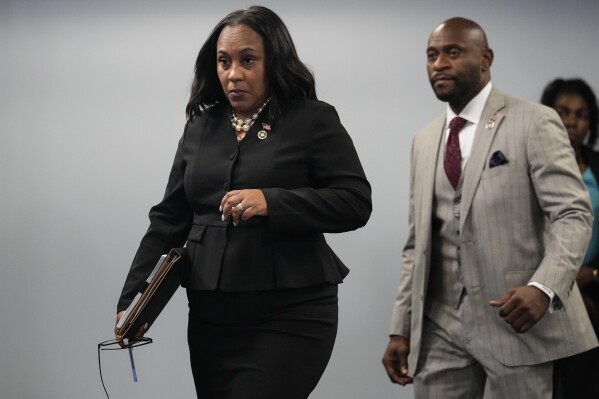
x: 132, y: 364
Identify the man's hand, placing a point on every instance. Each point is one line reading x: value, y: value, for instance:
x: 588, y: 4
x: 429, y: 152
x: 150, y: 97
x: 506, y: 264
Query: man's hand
x: 395, y: 360
x: 522, y: 307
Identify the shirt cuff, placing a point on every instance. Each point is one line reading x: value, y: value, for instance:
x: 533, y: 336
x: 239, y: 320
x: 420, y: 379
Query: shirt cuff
x: 548, y: 291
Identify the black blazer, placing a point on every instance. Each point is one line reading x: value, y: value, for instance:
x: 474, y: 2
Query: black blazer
x: 310, y: 174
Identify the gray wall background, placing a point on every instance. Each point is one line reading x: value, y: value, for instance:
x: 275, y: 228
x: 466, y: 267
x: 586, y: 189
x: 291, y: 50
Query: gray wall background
x: 92, y: 98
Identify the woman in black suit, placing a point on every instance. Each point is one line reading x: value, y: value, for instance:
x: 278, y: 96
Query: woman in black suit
x: 262, y: 171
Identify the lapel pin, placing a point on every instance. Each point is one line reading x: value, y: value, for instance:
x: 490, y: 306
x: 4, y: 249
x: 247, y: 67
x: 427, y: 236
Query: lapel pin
x: 262, y: 134
x: 491, y: 122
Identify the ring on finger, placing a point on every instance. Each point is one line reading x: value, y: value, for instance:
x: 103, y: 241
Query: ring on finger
x: 240, y: 207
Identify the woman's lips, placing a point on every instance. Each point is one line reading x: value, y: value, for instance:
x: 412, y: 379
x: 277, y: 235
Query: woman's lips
x: 236, y: 93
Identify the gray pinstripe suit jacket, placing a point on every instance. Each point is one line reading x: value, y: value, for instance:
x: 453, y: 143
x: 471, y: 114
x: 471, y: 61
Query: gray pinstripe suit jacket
x: 529, y: 219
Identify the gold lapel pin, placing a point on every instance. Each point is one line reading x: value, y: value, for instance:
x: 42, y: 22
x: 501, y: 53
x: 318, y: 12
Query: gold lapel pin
x: 262, y: 134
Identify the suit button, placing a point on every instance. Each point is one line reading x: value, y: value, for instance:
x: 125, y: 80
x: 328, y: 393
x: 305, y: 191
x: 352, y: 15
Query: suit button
x: 232, y: 156
x: 226, y: 186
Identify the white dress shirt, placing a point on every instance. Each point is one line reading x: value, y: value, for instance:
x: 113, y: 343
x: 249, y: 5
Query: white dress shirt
x: 472, y: 113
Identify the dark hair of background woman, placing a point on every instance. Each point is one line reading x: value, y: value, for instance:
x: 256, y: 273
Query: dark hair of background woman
x: 578, y: 87
x: 287, y: 76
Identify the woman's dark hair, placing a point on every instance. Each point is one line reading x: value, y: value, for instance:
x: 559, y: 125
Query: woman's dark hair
x: 287, y: 76
x: 578, y: 87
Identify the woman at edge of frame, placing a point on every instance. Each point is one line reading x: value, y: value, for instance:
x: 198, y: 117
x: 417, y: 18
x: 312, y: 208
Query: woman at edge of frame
x: 578, y: 376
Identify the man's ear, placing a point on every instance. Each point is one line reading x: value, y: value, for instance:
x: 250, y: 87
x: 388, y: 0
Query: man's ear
x: 487, y: 59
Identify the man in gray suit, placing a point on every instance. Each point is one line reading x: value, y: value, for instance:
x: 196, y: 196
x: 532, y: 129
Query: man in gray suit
x: 499, y: 223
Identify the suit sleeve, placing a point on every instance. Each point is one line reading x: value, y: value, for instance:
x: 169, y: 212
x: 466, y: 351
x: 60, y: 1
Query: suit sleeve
x: 170, y: 222
x: 402, y: 309
x: 340, y: 196
x: 564, y: 199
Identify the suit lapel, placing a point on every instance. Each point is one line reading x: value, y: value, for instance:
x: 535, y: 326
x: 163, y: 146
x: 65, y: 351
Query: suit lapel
x: 428, y: 164
x: 489, y: 123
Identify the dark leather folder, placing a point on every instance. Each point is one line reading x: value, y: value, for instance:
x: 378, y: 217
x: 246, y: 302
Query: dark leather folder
x: 153, y: 297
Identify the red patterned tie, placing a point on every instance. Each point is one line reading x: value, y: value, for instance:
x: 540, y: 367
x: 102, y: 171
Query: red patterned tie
x: 453, y: 155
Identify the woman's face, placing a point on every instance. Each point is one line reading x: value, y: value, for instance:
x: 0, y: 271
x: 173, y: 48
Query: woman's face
x: 575, y: 114
x: 240, y: 65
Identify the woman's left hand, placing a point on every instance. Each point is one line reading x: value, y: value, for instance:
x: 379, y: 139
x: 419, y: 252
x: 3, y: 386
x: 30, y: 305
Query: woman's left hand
x: 243, y: 204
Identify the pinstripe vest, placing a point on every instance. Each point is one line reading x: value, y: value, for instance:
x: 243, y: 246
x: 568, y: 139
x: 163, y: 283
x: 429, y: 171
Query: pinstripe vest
x: 445, y: 282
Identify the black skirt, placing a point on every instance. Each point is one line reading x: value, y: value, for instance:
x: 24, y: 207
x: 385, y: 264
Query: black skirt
x: 261, y: 344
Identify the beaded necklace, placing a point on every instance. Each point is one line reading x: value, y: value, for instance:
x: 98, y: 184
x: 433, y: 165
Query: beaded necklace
x: 241, y: 125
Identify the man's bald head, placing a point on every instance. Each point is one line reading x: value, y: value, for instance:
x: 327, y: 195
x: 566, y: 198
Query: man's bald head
x: 468, y: 27
x: 458, y: 61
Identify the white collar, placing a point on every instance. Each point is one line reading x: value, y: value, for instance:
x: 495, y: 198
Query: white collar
x: 474, y: 109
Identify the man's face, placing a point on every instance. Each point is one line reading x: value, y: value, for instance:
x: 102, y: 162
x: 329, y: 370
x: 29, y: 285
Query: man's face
x: 457, y: 65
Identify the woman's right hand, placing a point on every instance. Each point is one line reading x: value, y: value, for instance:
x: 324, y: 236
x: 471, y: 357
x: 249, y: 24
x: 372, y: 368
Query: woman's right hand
x: 243, y: 205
